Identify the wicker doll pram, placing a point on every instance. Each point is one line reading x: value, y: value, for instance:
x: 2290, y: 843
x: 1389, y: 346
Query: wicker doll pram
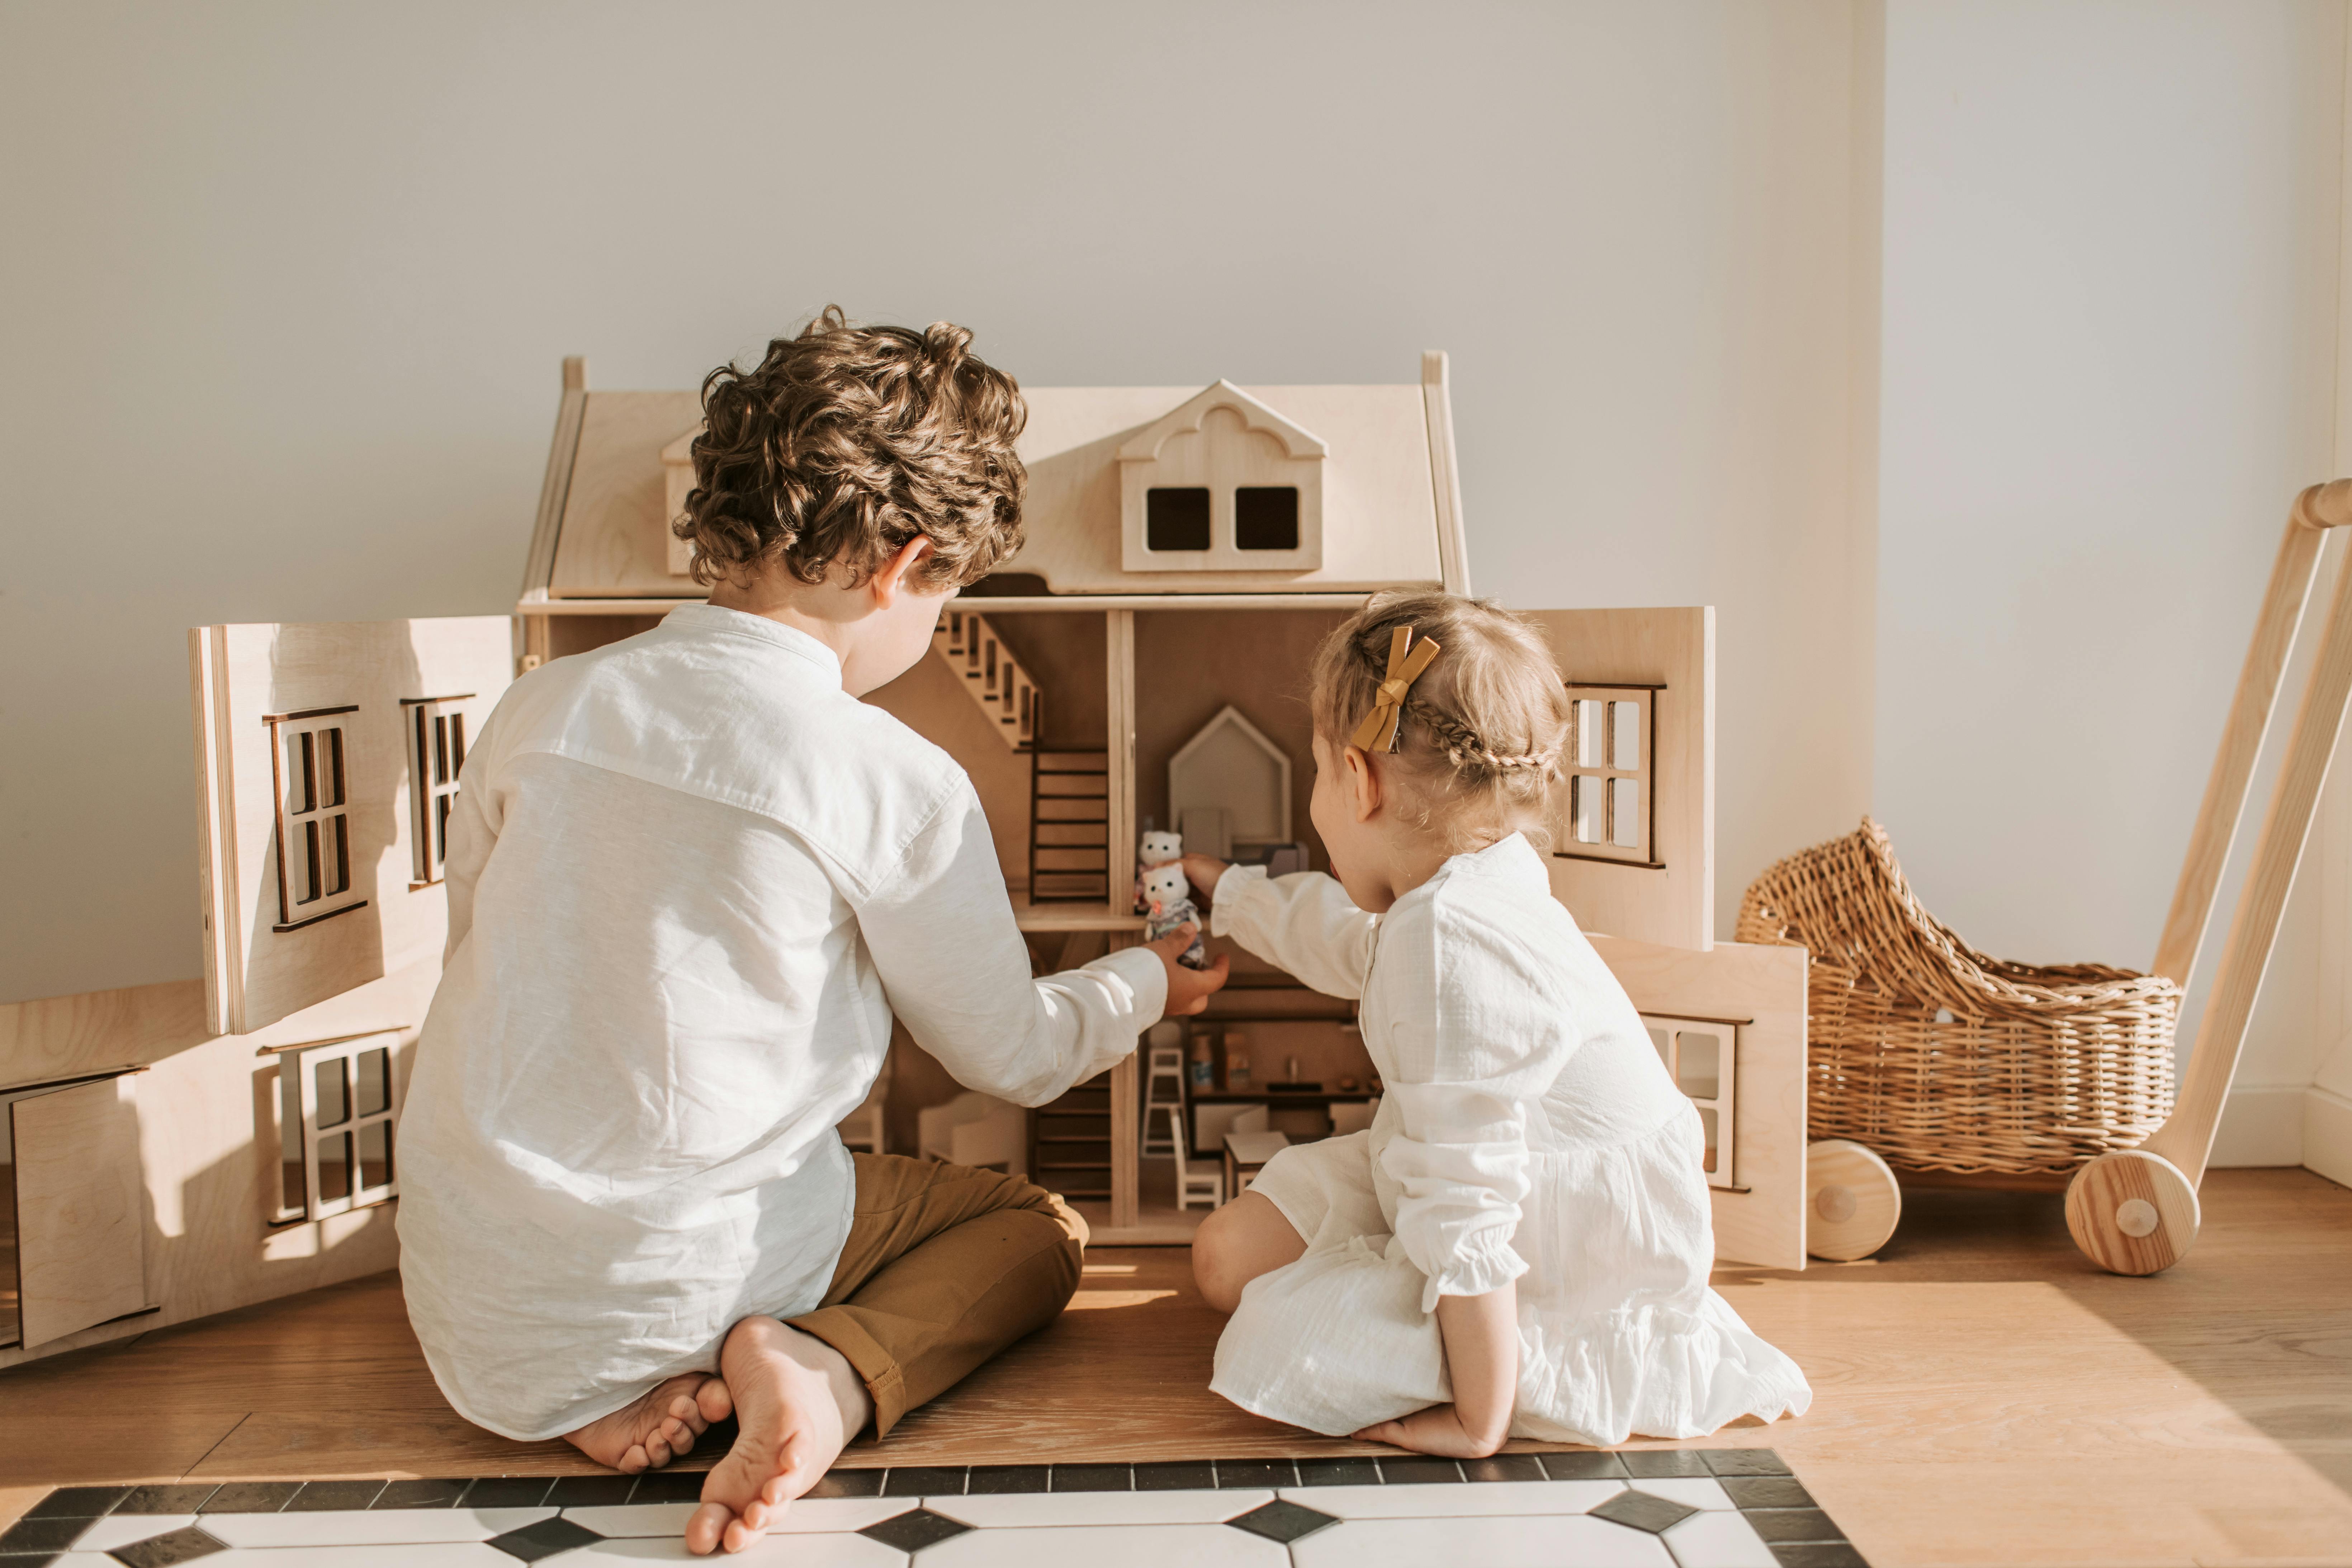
x: 1939, y: 1057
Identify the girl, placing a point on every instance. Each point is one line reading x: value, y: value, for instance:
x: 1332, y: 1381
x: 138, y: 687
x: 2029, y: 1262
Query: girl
x: 1519, y: 1245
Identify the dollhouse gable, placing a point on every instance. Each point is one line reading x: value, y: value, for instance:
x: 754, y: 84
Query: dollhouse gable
x: 1222, y: 482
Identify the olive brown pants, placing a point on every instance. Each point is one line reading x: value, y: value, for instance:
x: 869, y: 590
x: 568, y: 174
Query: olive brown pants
x: 944, y: 1267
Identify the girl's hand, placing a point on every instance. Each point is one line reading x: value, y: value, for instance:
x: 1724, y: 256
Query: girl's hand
x: 1436, y: 1430
x: 1202, y: 872
x: 1189, y: 990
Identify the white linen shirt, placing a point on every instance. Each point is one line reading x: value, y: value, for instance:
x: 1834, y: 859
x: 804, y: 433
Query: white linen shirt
x: 690, y: 880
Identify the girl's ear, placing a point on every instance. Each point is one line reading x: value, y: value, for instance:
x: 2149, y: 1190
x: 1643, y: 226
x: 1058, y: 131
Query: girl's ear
x: 1359, y: 783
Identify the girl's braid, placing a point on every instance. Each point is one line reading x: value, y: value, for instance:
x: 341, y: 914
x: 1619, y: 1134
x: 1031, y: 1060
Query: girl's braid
x: 1463, y: 747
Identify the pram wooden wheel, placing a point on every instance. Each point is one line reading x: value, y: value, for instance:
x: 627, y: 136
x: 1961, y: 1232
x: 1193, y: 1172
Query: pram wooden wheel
x: 1851, y: 1200
x: 2133, y: 1211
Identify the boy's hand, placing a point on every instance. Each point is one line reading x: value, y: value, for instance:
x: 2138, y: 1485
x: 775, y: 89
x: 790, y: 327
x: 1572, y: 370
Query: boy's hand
x: 1188, y: 989
x: 1202, y: 872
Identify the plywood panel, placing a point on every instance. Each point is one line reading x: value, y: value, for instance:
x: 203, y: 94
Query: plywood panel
x: 614, y: 541
x: 81, y: 1227
x: 257, y: 975
x: 1673, y: 648
x: 1762, y: 989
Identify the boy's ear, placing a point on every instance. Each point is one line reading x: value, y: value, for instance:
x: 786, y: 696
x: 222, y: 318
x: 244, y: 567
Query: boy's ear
x: 1363, y: 783
x: 892, y: 575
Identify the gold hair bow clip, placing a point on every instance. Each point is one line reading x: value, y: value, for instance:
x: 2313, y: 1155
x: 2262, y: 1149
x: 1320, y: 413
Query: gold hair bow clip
x: 1377, y: 733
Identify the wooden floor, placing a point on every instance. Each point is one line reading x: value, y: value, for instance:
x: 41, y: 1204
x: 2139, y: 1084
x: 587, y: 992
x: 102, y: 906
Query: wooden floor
x: 1982, y: 1396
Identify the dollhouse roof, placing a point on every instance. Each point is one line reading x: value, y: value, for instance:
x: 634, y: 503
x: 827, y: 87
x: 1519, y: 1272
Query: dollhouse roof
x: 1297, y: 441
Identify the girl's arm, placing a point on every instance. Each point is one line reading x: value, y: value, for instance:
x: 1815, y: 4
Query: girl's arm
x: 1482, y: 1360
x: 1304, y: 922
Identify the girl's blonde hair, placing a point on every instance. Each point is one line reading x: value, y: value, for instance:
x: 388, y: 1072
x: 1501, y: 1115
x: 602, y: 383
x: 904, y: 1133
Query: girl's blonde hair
x: 1479, y: 744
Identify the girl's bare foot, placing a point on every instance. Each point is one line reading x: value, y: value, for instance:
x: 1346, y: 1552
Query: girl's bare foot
x: 798, y: 1402
x: 659, y: 1427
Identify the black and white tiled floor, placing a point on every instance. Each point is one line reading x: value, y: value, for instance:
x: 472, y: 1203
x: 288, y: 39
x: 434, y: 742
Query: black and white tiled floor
x: 1719, y: 1508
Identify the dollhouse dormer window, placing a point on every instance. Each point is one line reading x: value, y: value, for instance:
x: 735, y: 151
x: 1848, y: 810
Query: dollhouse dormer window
x: 310, y: 759
x: 1223, y: 483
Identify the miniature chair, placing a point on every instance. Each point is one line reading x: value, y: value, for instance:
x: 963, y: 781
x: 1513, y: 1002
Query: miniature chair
x: 1163, y: 1096
x: 866, y: 1127
x: 976, y: 1129
x: 1202, y: 1180
x: 1351, y: 1116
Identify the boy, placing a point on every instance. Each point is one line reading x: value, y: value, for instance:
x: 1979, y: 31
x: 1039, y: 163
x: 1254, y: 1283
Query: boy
x: 692, y: 880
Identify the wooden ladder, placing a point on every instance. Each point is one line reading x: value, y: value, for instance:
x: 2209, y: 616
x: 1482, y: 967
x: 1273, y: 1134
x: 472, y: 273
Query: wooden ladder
x: 1069, y: 827
x: 1007, y: 696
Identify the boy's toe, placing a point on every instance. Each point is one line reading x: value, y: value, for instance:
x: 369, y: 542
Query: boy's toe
x: 707, y: 1528
x: 714, y: 1399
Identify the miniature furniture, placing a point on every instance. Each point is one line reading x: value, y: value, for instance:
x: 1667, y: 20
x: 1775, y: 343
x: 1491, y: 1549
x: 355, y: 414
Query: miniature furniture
x: 1163, y: 1102
x: 1199, y: 1181
x: 1353, y: 1116
x: 1246, y: 1154
x: 976, y: 1129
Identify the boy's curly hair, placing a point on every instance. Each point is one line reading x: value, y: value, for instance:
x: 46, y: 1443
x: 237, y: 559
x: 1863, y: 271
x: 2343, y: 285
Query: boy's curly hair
x: 843, y: 443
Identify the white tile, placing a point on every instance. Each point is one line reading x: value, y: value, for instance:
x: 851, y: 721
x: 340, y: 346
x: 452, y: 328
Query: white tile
x: 1719, y: 1541
x: 808, y: 1516
x: 1534, y: 1540
x: 812, y: 1551
x: 368, y: 1527
x: 999, y: 1509
x: 1108, y: 1546
x: 1691, y: 1491
x: 1484, y: 1499
x: 84, y: 1560
x: 428, y: 1554
x: 122, y: 1529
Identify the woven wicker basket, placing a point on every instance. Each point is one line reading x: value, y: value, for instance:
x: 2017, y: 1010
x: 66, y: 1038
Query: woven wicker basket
x: 1942, y: 1058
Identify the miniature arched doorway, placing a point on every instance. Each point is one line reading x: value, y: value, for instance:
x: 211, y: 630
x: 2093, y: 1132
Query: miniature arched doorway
x: 1229, y: 789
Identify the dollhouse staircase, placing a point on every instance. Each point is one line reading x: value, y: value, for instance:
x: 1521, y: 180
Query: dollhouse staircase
x: 1069, y: 791
x: 1069, y: 1150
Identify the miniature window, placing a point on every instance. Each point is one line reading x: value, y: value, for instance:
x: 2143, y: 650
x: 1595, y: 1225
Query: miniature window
x: 437, y: 751
x: 1611, y: 793
x: 1702, y: 1056
x: 311, y: 762
x: 335, y: 1127
x: 1265, y: 517
x: 1176, y: 518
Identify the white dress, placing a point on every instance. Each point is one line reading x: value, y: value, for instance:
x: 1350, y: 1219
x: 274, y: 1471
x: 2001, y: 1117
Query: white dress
x: 1528, y: 1132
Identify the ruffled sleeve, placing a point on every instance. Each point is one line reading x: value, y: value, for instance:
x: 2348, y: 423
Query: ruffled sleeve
x: 1304, y: 923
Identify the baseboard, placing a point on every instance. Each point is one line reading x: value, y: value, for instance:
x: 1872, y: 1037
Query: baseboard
x: 2262, y: 1124
x: 2327, y: 1133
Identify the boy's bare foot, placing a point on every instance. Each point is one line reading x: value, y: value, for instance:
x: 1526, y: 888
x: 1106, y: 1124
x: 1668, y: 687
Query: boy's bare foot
x: 798, y: 1402
x: 658, y: 1427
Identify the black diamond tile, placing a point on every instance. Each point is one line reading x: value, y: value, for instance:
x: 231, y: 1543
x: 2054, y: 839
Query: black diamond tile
x: 251, y: 1496
x: 1818, y: 1554
x: 545, y: 1539
x: 1641, y: 1510
x: 1419, y: 1471
x: 1094, y: 1478
x: 1505, y: 1467
x: 77, y: 1503
x: 1793, y: 1524
x: 914, y: 1530
x: 1584, y: 1465
x: 667, y: 1485
x: 421, y: 1494
x: 183, y: 1545
x: 1233, y: 1473
x: 181, y: 1499
x: 319, y: 1497
x: 589, y: 1492
x: 1766, y: 1491
x: 1744, y: 1462
x: 848, y: 1483
x: 924, y: 1480
x: 992, y: 1481
x: 1180, y: 1478
x: 1339, y: 1473
x: 27, y: 1559
x: 512, y: 1491
x: 1282, y: 1521
x: 42, y: 1535
x: 1641, y: 1462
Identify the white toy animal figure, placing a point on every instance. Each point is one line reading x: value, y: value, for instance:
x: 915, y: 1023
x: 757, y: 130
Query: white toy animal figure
x: 1168, y: 904
x: 1159, y: 849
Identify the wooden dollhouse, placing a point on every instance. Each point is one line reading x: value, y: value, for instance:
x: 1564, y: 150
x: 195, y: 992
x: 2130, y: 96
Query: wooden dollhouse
x: 178, y: 1149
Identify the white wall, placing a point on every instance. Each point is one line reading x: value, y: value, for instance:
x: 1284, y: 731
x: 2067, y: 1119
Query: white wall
x: 2110, y: 362
x: 288, y: 287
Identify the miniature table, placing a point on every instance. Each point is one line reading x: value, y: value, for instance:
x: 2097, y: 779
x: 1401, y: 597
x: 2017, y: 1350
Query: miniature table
x: 1246, y: 1154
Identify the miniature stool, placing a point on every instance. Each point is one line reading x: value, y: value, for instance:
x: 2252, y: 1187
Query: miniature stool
x: 1204, y: 1181
x: 1163, y: 1094
x: 1246, y: 1154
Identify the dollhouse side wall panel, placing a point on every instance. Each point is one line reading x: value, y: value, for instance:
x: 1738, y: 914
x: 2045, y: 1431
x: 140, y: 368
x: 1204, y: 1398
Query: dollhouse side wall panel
x: 1674, y: 904
x: 262, y: 974
x: 614, y: 540
x: 1763, y: 990
x: 80, y: 1228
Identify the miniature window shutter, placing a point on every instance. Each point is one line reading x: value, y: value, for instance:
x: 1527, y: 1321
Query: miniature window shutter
x: 1702, y: 1058
x: 435, y: 729
x: 335, y: 1104
x: 81, y: 1220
